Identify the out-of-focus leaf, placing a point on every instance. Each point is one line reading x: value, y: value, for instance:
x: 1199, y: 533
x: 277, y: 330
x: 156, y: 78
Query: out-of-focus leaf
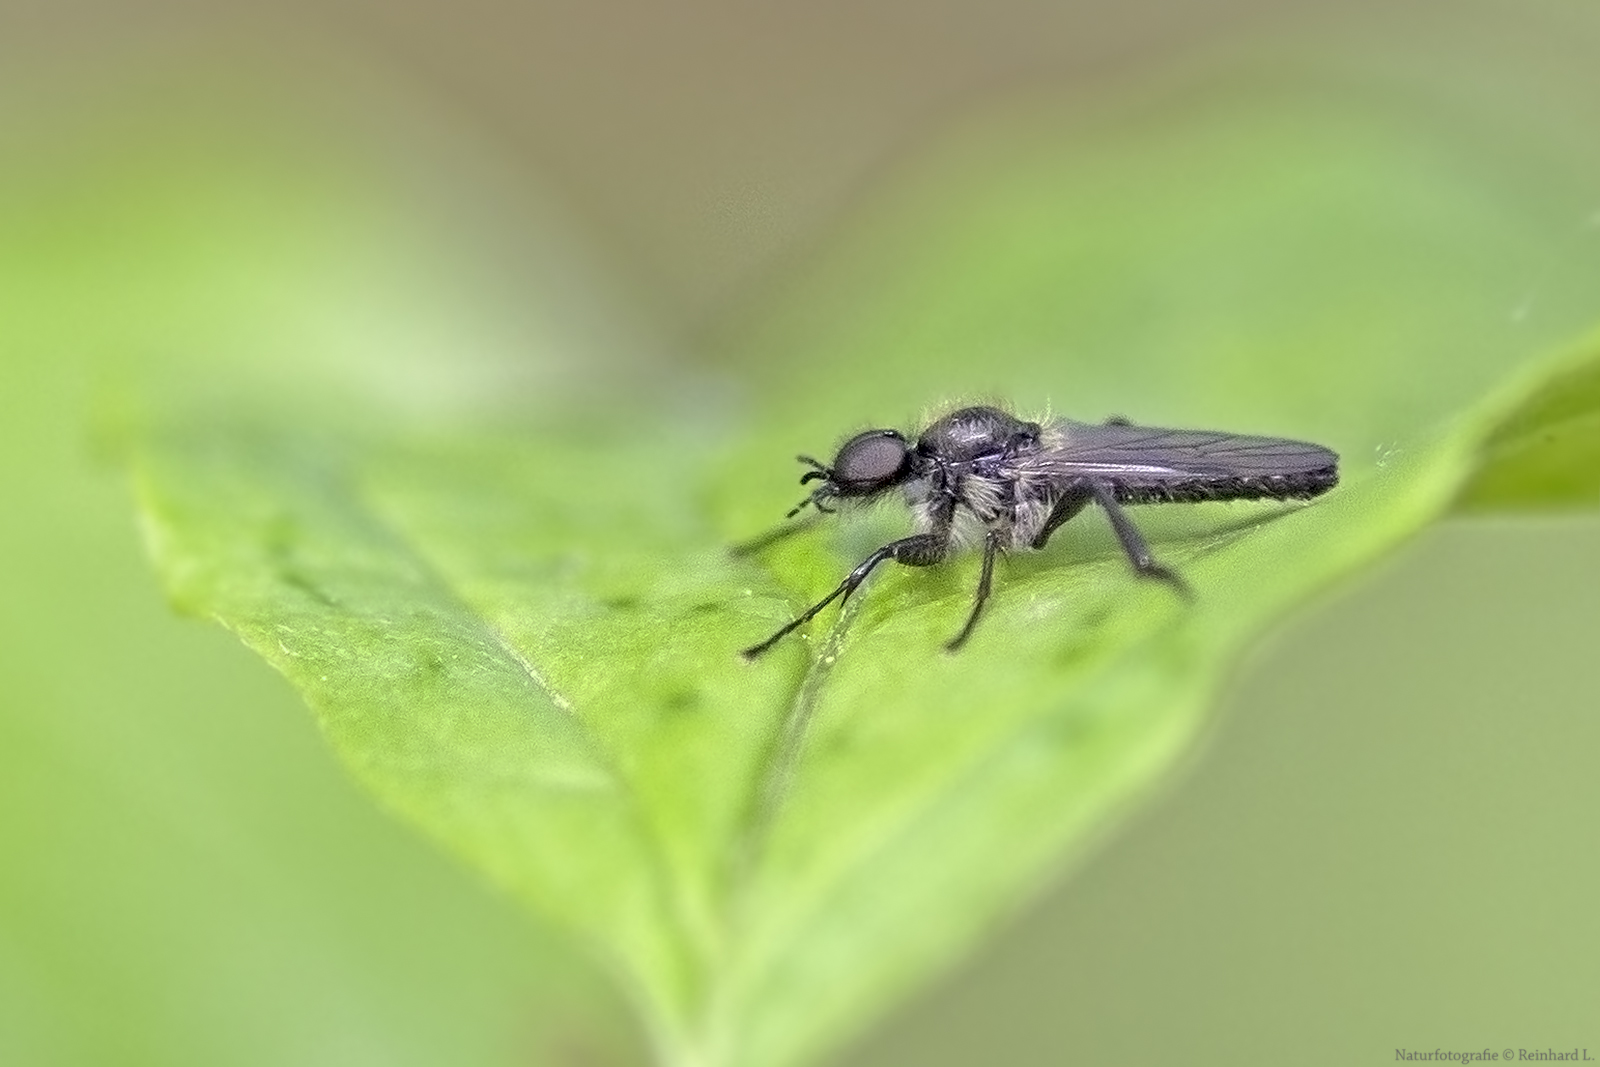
x: 1546, y: 452
x: 187, y: 878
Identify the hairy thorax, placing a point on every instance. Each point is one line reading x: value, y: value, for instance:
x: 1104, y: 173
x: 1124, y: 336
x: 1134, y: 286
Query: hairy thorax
x: 967, y: 480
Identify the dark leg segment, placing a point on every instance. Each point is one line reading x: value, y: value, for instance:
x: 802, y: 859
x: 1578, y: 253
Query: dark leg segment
x: 771, y: 537
x: 991, y: 546
x: 918, y: 550
x: 1132, y: 543
x: 1066, y: 506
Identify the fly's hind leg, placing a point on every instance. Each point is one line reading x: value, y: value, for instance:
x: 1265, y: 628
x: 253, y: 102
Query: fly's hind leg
x: 1068, y: 504
x: 1133, y: 543
x: 918, y: 550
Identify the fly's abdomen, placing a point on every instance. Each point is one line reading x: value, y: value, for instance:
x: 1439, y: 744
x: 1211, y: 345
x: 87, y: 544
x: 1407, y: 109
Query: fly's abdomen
x: 1299, y: 485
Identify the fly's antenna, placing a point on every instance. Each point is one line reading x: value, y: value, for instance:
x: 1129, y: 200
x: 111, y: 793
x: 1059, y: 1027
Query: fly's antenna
x: 818, y: 469
x: 815, y: 499
x: 819, y: 472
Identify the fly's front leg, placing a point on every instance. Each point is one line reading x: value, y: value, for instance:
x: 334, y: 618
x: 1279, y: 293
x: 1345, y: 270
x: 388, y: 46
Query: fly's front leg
x: 1132, y: 543
x: 778, y: 533
x: 918, y: 550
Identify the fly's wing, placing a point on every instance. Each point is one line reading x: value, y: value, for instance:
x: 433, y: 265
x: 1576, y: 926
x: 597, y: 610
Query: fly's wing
x: 1144, y: 462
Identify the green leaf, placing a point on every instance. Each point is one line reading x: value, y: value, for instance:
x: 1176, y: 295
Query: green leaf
x: 1546, y: 452
x: 522, y: 633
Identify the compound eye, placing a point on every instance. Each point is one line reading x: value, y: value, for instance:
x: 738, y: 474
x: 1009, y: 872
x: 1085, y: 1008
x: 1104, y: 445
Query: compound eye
x: 869, y: 458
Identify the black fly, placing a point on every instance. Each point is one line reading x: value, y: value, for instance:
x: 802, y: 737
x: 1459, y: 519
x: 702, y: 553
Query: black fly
x: 980, y: 474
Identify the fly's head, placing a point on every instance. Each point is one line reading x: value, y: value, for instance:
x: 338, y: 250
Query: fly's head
x: 867, y: 464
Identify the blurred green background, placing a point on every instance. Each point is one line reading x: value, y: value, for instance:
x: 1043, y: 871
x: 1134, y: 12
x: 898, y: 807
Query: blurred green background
x: 1388, y: 842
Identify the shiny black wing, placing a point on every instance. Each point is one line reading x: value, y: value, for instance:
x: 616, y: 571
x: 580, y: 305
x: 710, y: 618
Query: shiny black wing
x: 1144, y: 463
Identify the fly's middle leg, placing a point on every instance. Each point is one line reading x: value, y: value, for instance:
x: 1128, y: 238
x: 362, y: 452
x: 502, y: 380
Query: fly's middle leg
x: 991, y: 548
